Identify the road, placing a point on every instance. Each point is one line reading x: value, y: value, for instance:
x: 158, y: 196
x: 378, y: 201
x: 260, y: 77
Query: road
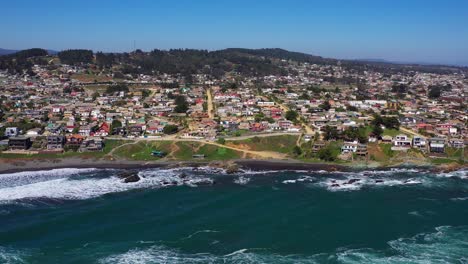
x: 411, y: 132
x: 210, y: 103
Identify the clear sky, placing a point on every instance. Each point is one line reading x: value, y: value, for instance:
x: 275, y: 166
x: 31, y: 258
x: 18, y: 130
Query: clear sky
x: 434, y: 31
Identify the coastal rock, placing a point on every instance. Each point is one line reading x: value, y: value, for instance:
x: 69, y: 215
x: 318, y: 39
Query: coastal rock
x: 129, y: 176
x: 133, y: 178
x: 352, y: 181
x: 232, y: 168
x: 229, y: 167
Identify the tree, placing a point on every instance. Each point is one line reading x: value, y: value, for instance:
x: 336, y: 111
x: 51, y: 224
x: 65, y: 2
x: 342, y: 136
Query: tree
x: 325, y: 106
x: 291, y: 115
x: 170, y: 129
x: 330, y: 133
x: 145, y: 93
x: 181, y: 104
x: 95, y: 95
x: 436, y: 90
x: 378, y: 120
x: 76, y: 56
x: 297, y: 151
x: 116, y: 123
x: 221, y: 141
x: 377, y: 130
x: 391, y: 122
x: 351, y: 108
x: 116, y: 88
x: 304, y: 96
x: 326, y: 154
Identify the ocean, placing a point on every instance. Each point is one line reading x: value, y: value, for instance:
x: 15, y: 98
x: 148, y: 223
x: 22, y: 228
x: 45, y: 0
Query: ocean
x: 204, y: 215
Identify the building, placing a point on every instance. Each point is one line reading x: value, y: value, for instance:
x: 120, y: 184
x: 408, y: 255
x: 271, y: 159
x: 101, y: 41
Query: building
x: 437, y: 145
x: 457, y: 143
x: 11, y: 132
x: 91, y: 145
x: 419, y: 142
x: 19, y: 143
x: 55, y: 142
x: 75, y: 140
x: 401, y: 141
x: 349, y: 147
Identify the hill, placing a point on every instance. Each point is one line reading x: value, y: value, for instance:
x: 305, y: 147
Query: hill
x: 7, y: 52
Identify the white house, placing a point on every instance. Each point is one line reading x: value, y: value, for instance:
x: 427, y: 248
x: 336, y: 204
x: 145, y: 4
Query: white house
x: 401, y: 141
x: 11, y: 131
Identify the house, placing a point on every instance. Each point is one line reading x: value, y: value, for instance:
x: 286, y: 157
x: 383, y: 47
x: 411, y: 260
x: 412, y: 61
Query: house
x: 55, y: 142
x: 54, y: 128
x: 294, y: 129
x: 387, y: 139
x: 34, y: 132
x: 401, y: 141
x: 257, y: 127
x: 419, y: 142
x: 94, y: 144
x: 85, y: 130
x: 457, y: 143
x: 12, y: 131
x: 317, y: 146
x: 437, y: 145
x: 19, y: 143
x: 349, y: 147
x: 361, y: 150
x: 373, y: 137
x: 74, y: 140
x: 103, y: 130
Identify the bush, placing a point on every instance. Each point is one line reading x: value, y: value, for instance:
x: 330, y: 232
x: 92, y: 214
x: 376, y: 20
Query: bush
x: 170, y: 129
x: 221, y: 141
x: 291, y: 115
x: 327, y: 154
x: 297, y: 151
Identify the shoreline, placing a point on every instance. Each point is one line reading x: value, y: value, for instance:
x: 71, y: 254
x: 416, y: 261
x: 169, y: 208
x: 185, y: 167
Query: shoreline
x: 20, y: 165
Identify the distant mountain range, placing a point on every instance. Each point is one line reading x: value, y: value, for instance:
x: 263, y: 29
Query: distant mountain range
x: 7, y: 51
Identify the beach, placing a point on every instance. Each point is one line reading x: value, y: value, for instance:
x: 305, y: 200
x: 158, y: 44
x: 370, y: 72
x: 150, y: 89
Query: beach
x: 32, y: 164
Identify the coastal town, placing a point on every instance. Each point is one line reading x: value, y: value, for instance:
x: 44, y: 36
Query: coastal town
x: 310, y: 112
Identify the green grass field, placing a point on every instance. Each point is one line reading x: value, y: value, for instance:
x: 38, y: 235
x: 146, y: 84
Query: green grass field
x: 282, y: 144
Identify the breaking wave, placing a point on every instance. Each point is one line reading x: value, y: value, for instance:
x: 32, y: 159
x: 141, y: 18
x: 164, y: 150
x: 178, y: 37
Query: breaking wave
x: 12, y: 256
x: 446, y: 245
x: 78, y: 184
x: 352, y: 181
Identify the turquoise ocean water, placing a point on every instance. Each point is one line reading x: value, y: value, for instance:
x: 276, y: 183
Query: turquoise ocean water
x: 91, y: 216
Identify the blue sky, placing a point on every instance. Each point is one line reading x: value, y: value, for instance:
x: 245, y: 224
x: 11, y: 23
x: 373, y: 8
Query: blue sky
x: 410, y: 31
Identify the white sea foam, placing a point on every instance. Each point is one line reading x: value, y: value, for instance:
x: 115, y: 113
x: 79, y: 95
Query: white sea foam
x: 199, y: 232
x: 63, y: 184
x: 445, y: 245
x: 28, y: 177
x: 242, y: 180
x: 459, y: 199
x: 160, y: 254
x: 12, y: 256
x: 352, y: 181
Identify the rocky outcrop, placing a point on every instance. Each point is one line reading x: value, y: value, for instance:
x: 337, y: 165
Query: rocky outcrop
x: 230, y: 167
x: 129, y: 176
